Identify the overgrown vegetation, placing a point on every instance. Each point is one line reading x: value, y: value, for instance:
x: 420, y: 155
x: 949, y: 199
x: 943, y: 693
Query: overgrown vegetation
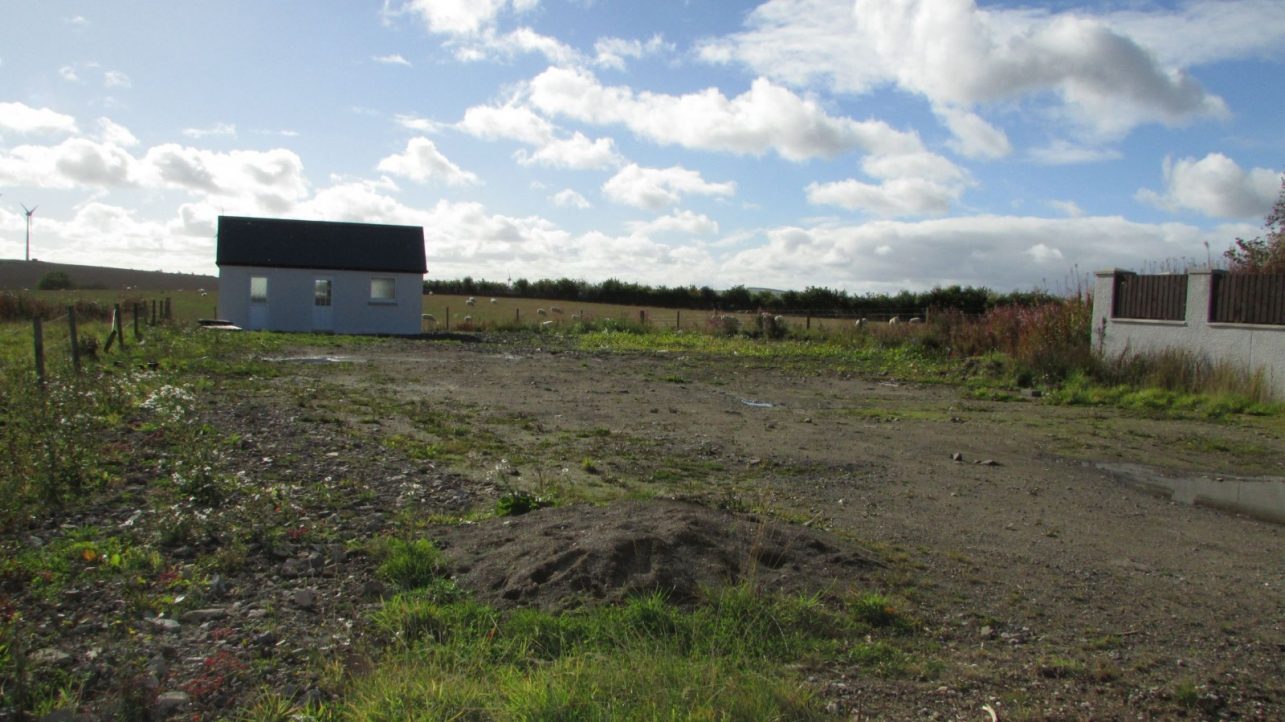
x: 1266, y: 253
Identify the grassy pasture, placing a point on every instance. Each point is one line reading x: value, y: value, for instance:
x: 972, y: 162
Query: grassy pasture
x: 187, y: 306
x: 524, y: 312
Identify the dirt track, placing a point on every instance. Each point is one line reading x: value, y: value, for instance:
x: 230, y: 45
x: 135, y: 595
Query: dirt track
x: 1050, y: 589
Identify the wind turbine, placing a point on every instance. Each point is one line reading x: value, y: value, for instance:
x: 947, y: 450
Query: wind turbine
x: 29, y: 212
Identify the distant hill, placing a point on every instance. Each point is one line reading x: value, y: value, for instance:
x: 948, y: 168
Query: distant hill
x: 18, y: 275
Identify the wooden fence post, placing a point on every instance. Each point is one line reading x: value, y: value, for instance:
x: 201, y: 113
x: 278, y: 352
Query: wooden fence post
x: 678, y: 320
x: 38, y: 335
x: 153, y: 323
x: 448, y: 318
x: 111, y: 337
x: 116, y: 322
x: 75, y: 340
x: 642, y: 316
x: 169, y: 311
x: 808, y: 324
x: 137, y: 333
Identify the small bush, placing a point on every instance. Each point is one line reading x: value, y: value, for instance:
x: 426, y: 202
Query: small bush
x: 54, y: 281
x: 516, y: 503
x: 723, y: 325
x: 410, y: 564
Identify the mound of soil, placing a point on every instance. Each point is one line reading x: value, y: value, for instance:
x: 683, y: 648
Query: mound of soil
x: 564, y: 557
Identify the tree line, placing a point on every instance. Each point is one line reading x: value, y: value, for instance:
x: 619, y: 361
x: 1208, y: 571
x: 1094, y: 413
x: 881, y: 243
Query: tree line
x: 813, y: 299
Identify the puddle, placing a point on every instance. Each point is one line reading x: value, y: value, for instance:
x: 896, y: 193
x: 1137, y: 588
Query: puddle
x: 1260, y: 497
x: 314, y: 359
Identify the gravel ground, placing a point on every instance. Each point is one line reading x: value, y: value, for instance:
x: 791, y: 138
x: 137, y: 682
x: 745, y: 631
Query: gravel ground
x: 1046, y: 588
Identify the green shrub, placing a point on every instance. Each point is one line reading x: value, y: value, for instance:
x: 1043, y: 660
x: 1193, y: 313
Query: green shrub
x: 54, y: 281
x: 409, y: 564
x: 516, y: 502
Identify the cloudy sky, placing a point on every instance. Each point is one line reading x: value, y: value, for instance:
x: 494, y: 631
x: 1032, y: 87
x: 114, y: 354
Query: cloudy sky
x: 868, y: 145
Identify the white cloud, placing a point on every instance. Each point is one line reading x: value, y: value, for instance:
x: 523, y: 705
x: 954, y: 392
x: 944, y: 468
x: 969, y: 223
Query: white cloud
x: 960, y: 56
x: 265, y: 181
x: 23, y: 119
x: 974, y: 137
x: 655, y: 188
x: 766, y: 117
x: 110, y: 132
x: 1215, y: 186
x: 72, y: 163
x: 1064, y: 152
x: 993, y: 251
x: 568, y: 198
x: 1071, y: 209
x: 1195, y: 33
x: 422, y: 161
x: 520, y: 123
x: 891, y: 198
x: 688, y: 222
x: 611, y: 52
x: 472, y: 29
x: 392, y: 59
x: 459, y: 17
x: 912, y: 184
x: 68, y: 73
x: 512, y: 122
x: 1043, y: 254
x: 577, y: 153
x: 416, y: 123
x: 116, y: 79
x: 218, y: 129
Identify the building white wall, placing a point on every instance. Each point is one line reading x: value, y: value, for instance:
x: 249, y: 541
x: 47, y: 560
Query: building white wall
x: 290, y: 300
x: 1252, y: 346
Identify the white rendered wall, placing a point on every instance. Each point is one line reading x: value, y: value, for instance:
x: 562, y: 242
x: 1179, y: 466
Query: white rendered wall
x: 290, y: 300
x: 1252, y: 346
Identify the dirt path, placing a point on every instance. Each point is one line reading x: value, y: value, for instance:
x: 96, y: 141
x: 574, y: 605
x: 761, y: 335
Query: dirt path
x: 1051, y: 589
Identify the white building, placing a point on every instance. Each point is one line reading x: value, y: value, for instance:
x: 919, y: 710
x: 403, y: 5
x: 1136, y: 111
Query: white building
x: 290, y: 275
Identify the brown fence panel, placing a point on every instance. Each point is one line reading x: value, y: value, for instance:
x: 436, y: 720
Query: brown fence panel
x: 1160, y: 298
x: 1248, y: 298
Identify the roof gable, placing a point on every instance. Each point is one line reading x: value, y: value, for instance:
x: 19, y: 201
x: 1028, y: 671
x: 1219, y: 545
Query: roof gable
x: 284, y: 243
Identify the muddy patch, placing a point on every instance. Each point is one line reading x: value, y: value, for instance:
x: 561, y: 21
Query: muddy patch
x: 570, y: 556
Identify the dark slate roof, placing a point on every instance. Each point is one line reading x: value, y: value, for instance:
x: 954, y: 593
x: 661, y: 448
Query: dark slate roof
x: 282, y: 243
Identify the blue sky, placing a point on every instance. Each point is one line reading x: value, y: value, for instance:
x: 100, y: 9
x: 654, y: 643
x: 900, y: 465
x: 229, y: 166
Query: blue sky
x: 871, y: 146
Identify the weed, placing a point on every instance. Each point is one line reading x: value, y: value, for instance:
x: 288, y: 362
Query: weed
x: 516, y: 502
x: 408, y: 564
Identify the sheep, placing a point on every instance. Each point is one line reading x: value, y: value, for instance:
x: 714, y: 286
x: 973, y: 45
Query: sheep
x: 778, y: 319
x: 494, y: 301
x: 894, y: 320
x: 860, y: 323
x: 471, y: 301
x: 468, y: 319
x: 915, y: 319
x: 546, y: 324
x: 428, y: 317
x: 555, y: 309
x: 577, y: 315
x: 541, y: 312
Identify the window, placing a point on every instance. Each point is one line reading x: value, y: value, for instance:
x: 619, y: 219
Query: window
x: 321, y: 292
x: 383, y: 290
x: 258, y: 289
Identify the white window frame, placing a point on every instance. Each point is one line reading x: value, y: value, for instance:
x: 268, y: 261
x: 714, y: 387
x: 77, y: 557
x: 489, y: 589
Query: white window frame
x: 386, y: 283
x: 258, y: 295
x: 330, y: 291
